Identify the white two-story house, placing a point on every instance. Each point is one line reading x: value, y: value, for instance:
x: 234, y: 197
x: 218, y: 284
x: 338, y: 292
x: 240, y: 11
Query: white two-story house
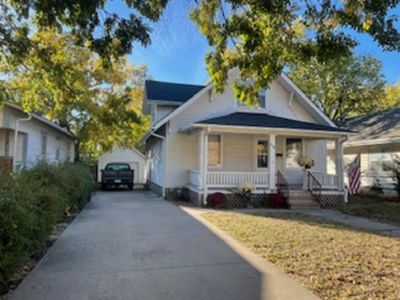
x: 209, y: 142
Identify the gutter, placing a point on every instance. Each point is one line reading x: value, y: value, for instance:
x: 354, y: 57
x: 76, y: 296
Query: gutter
x: 163, y: 138
x: 16, y: 138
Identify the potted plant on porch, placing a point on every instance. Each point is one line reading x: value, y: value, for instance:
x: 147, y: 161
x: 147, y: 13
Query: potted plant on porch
x: 245, y: 191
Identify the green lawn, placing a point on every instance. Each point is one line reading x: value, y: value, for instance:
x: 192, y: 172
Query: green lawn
x: 334, y: 261
x: 381, y: 209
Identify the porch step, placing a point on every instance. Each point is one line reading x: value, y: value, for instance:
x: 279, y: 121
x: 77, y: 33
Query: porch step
x: 301, y: 199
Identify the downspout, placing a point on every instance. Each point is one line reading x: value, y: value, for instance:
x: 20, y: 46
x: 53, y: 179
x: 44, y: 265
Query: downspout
x: 16, y: 138
x: 152, y: 133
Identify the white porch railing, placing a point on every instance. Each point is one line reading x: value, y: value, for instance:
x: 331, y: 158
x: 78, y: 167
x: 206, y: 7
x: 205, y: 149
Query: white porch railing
x: 224, y: 179
x: 327, y: 181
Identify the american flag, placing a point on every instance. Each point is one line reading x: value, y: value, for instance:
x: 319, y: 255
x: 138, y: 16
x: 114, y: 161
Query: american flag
x: 354, y: 173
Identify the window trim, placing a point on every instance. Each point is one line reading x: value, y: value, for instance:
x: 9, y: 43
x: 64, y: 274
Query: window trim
x: 44, y: 140
x: 285, y: 152
x: 255, y: 158
x: 58, y: 148
x: 381, y: 171
x: 221, y: 152
x: 243, y: 108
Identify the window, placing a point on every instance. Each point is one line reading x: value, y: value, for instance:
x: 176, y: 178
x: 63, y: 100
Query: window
x: 294, y: 149
x: 58, y: 141
x: 44, y: 145
x: 262, y: 98
x: 380, y: 162
x: 262, y: 154
x: 118, y: 167
x: 214, y: 150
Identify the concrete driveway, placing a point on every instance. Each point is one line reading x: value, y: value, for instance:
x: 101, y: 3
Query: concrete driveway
x: 133, y: 245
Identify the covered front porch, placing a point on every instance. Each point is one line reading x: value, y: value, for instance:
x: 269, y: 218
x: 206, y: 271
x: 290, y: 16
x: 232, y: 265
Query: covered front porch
x: 229, y: 157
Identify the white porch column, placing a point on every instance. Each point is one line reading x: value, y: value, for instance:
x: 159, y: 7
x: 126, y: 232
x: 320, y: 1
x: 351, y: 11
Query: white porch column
x: 272, y: 161
x: 339, y: 163
x: 201, y: 158
x: 204, y: 162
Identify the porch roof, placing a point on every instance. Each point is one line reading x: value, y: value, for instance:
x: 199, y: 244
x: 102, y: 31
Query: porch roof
x: 268, y: 121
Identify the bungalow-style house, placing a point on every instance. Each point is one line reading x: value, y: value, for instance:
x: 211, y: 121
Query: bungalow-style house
x: 377, y: 142
x: 209, y: 142
x: 37, y: 139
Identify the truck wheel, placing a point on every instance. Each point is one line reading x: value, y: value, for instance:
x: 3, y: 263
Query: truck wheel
x: 103, y: 187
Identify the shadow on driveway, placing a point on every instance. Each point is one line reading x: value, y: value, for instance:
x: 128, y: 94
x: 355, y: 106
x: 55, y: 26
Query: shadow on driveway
x: 133, y: 245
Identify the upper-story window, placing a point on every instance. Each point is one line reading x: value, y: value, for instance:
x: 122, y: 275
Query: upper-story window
x: 261, y: 101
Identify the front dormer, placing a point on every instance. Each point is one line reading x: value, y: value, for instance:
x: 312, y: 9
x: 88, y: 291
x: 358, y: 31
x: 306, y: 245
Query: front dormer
x: 161, y: 98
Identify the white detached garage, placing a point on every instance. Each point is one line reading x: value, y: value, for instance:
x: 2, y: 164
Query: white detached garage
x: 131, y: 156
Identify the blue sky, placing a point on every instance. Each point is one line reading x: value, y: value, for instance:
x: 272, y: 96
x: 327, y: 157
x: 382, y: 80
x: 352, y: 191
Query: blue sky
x: 177, y: 50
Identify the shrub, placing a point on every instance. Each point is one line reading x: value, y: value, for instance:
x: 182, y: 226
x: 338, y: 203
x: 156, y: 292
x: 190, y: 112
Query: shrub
x: 216, y: 200
x: 31, y: 203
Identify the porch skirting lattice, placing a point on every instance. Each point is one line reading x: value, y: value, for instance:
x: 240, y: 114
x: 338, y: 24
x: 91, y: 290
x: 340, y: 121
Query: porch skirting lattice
x: 331, y: 200
x: 238, y: 201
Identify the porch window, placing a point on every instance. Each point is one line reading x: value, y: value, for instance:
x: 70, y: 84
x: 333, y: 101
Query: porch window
x: 214, y: 150
x: 262, y: 154
x: 380, y: 162
x: 294, y: 149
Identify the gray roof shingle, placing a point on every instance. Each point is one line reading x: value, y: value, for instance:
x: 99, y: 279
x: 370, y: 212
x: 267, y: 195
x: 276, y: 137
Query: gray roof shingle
x: 375, y: 126
x: 167, y: 91
x: 268, y: 121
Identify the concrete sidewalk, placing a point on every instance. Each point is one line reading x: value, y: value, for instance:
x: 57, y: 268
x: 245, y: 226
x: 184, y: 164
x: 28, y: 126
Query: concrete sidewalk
x: 354, y: 221
x: 133, y: 245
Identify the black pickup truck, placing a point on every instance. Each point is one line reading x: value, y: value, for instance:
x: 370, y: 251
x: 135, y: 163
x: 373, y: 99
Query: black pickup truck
x: 117, y: 174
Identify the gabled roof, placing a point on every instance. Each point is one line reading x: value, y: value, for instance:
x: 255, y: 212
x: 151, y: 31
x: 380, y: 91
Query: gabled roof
x: 41, y: 119
x: 381, y: 126
x: 267, y: 121
x: 171, y: 92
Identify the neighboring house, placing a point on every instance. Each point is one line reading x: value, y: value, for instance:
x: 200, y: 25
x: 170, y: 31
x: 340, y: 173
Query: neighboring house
x: 378, y: 142
x: 131, y: 156
x: 37, y: 138
x: 210, y: 142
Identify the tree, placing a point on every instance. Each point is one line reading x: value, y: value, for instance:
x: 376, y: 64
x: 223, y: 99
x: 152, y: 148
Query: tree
x: 260, y: 38
x: 69, y: 83
x: 343, y: 87
x: 109, y: 34
x: 392, y: 96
